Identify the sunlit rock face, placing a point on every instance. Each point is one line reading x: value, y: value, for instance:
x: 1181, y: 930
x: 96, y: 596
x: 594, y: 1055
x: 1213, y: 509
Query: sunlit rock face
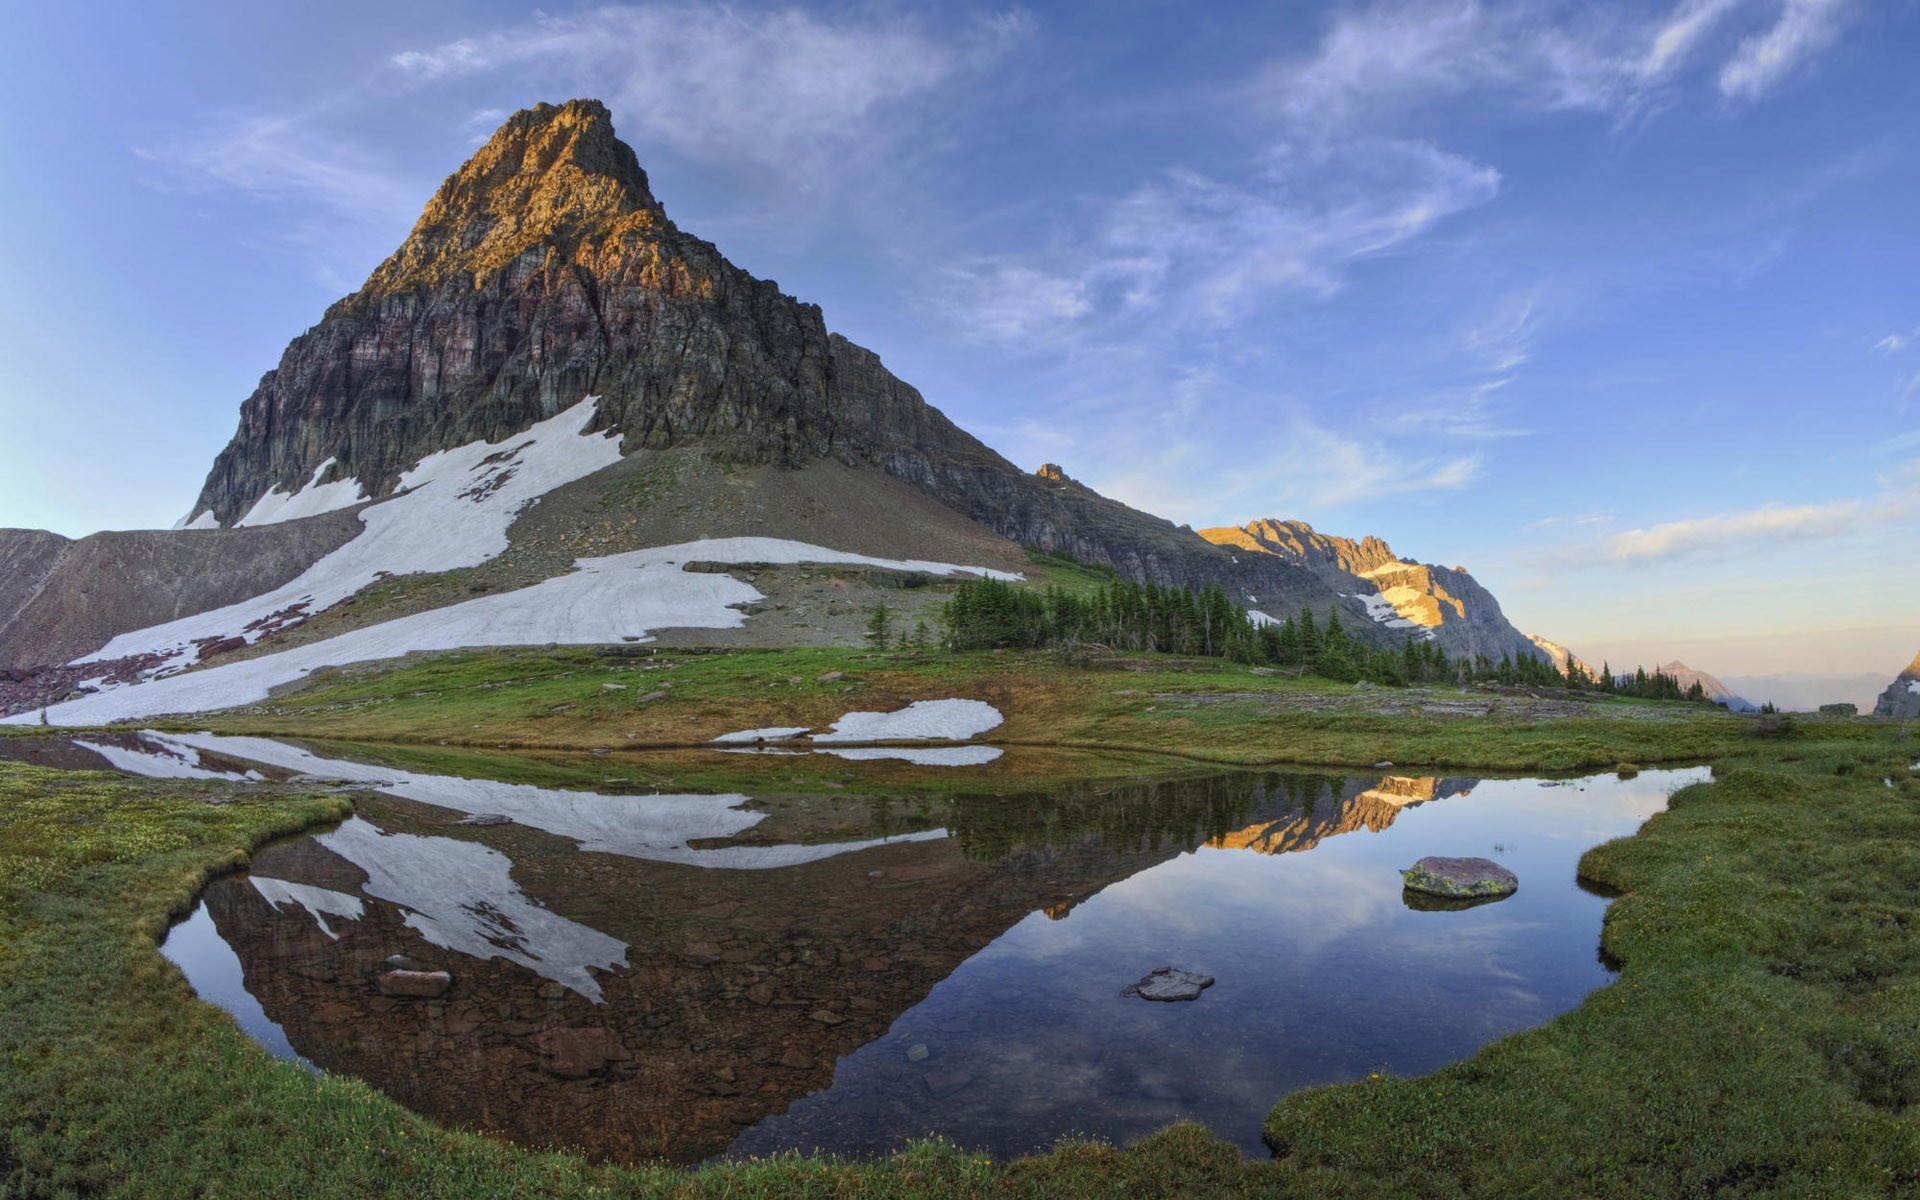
x: 1397, y: 595
x: 1902, y: 697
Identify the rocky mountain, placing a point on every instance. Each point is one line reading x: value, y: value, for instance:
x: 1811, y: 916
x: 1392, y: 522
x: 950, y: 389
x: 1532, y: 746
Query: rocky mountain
x: 1902, y: 697
x: 544, y: 404
x: 1444, y: 604
x: 544, y: 270
x: 1717, y: 691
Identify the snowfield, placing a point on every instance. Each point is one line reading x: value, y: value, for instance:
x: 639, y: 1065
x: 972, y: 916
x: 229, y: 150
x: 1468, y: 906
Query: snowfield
x: 453, y: 511
x: 310, y: 501
x: 624, y: 597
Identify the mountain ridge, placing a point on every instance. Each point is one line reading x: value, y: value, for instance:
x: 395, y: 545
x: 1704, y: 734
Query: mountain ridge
x: 1446, y: 605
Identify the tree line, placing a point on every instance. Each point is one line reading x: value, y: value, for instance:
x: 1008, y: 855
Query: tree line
x: 1123, y: 616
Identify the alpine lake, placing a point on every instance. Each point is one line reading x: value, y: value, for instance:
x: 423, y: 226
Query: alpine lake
x: 642, y: 972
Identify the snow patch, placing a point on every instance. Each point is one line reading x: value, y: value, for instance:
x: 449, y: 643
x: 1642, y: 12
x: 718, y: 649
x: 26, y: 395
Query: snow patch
x: 319, y: 902
x: 461, y: 897
x: 1260, y: 619
x: 205, y: 520
x: 312, y: 499
x: 624, y: 597
x: 934, y: 720
x: 1381, y: 610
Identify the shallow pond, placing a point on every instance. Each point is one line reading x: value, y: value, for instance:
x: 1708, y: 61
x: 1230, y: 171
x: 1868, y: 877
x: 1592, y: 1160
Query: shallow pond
x: 698, y: 975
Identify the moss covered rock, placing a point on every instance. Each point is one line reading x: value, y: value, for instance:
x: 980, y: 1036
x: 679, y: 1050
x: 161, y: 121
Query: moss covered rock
x: 1460, y: 878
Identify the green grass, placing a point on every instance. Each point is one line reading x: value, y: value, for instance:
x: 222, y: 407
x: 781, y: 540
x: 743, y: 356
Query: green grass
x: 581, y: 698
x: 1762, y: 1039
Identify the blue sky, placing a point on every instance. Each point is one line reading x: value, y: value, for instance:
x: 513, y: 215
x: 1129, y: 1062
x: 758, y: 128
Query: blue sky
x: 1615, y: 305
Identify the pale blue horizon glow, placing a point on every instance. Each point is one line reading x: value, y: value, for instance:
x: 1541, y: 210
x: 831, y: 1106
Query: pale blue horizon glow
x: 1612, y: 305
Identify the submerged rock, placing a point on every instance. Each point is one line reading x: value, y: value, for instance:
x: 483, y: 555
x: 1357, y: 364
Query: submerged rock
x: 1460, y: 878
x: 424, y: 984
x: 1169, y: 983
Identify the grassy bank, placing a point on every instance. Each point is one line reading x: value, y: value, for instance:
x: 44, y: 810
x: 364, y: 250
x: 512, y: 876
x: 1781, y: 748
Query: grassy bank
x: 1763, y: 1038
x: 1205, y: 710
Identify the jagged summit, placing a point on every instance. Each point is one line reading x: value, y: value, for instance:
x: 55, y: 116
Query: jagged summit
x: 1446, y: 605
x: 1298, y: 540
x: 552, y: 177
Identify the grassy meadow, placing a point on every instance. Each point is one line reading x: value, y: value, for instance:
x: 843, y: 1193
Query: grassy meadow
x: 1763, y: 1037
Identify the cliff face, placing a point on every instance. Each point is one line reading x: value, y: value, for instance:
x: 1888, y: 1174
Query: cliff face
x: 1402, y: 597
x: 1902, y: 697
x: 544, y: 270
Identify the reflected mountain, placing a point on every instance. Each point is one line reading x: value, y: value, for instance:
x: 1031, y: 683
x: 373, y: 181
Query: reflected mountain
x: 676, y: 976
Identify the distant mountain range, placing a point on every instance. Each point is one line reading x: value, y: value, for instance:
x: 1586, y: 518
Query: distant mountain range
x: 1717, y: 691
x: 544, y: 407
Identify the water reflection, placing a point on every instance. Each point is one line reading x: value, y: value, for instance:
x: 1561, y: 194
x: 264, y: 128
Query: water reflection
x: 894, y: 966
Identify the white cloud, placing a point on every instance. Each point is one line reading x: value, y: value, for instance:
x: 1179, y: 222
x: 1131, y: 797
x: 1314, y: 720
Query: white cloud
x: 1192, y: 249
x: 1805, y: 28
x: 1396, y: 57
x: 1898, y: 500
x: 1504, y: 339
x: 783, y: 91
x: 1682, y: 33
x: 1893, y: 343
x: 1763, y: 524
x: 1007, y: 302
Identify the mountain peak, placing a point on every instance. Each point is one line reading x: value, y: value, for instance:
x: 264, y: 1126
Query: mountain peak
x: 551, y: 177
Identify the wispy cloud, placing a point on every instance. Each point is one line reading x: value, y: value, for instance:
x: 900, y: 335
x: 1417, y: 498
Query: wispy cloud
x: 784, y: 91
x: 1898, y: 500
x: 1395, y: 57
x: 330, y: 191
x: 1894, y: 343
x: 1674, y: 42
x: 1804, y: 29
x: 1192, y: 249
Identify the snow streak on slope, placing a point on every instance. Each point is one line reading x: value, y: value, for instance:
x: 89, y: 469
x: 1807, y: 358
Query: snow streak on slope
x: 453, y: 510
x: 657, y: 828
x: 310, y: 501
x: 461, y: 896
x: 624, y: 597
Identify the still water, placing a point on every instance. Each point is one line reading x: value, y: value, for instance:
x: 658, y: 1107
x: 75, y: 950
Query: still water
x: 687, y: 975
